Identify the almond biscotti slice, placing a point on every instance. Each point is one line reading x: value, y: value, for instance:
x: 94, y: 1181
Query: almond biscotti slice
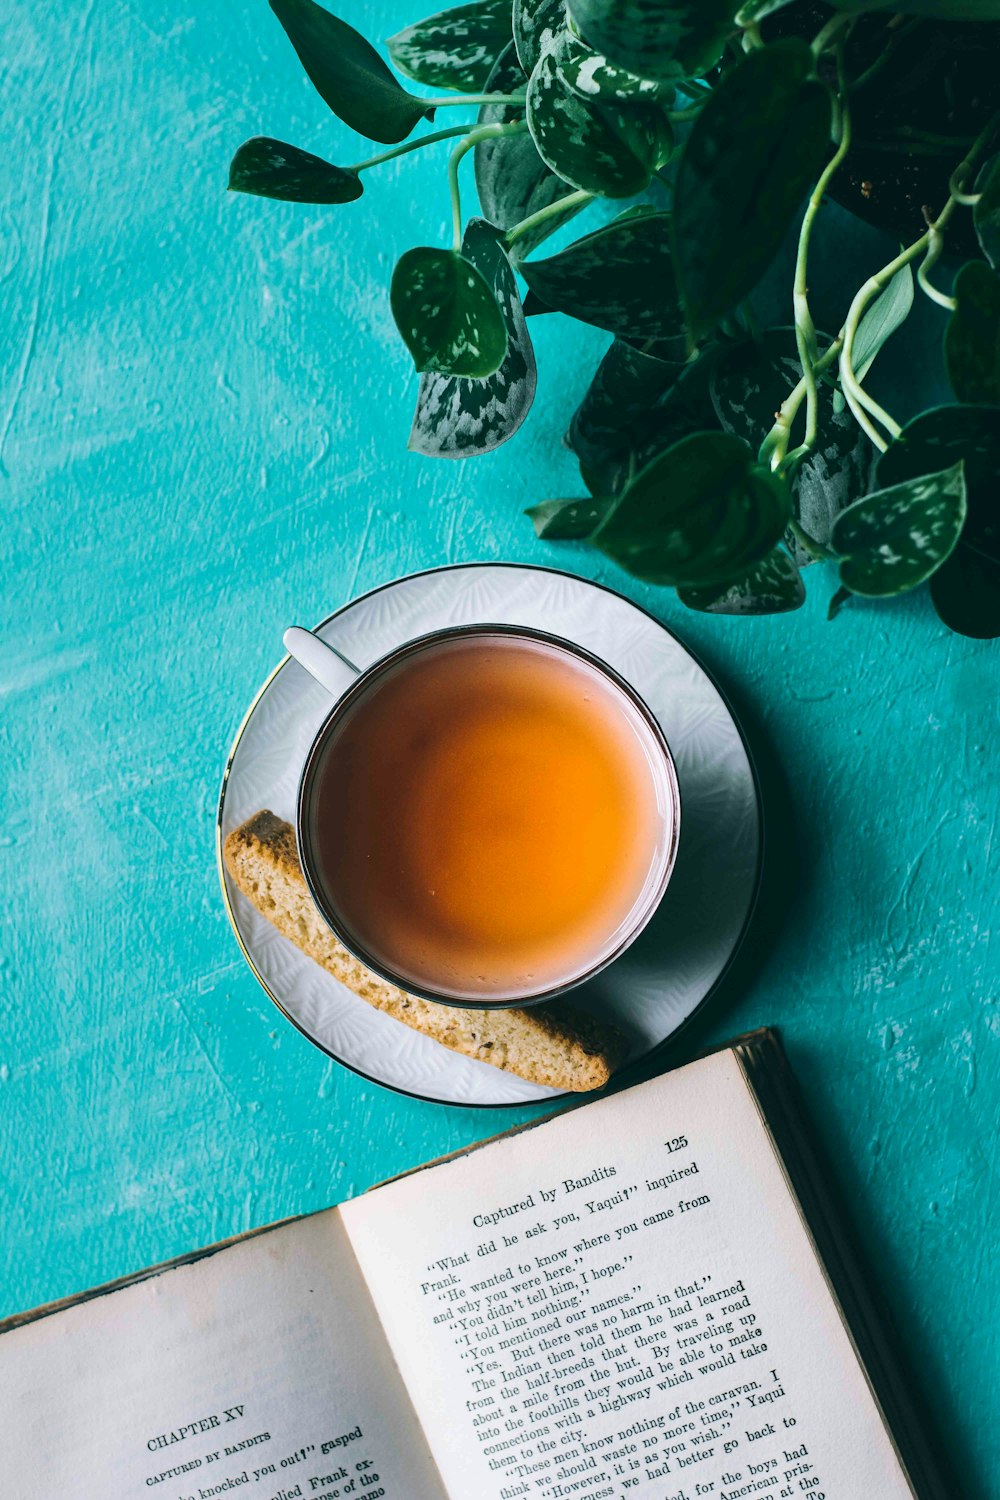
x: 550, y: 1044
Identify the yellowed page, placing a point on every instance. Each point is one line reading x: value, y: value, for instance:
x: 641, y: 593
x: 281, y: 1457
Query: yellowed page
x: 260, y: 1371
x: 623, y: 1301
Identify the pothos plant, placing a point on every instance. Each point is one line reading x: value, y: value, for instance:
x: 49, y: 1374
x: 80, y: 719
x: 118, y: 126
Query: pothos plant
x: 717, y: 457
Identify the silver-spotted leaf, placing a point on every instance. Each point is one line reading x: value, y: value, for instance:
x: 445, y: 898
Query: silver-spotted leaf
x: 447, y: 313
x: 456, y: 48
x: 537, y: 23
x: 459, y: 417
x: 512, y: 180
x: 274, y: 169
x: 701, y: 513
x: 348, y: 73
x: 966, y: 588
x: 567, y: 520
x: 629, y: 384
x: 772, y: 586
x: 593, y: 76
x: 986, y: 214
x: 972, y: 338
x: 665, y: 39
x: 896, y: 538
x: 758, y: 144
x: 626, y: 441
x: 607, y: 149
x: 619, y: 277
x: 749, y: 382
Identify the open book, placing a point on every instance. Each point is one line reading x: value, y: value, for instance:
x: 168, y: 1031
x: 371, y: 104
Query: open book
x: 645, y: 1295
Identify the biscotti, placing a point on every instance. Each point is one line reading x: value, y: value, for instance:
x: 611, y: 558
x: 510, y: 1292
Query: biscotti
x: 550, y: 1044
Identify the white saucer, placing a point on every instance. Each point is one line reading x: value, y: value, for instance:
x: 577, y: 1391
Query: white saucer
x: 666, y: 974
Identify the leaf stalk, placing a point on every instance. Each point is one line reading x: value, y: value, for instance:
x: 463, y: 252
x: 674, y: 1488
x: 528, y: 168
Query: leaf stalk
x: 512, y: 100
x: 805, y: 329
x: 408, y: 146
x: 480, y: 133
x: 571, y: 200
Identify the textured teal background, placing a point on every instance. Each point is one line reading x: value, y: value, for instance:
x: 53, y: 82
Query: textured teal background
x: 203, y: 420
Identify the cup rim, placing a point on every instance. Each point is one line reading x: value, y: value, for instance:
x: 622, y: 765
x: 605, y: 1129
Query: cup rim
x: 358, y: 687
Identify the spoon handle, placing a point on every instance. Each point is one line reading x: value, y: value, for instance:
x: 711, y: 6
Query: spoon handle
x: 325, y: 663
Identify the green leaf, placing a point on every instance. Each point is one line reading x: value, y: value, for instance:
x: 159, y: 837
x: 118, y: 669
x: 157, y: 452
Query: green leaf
x: 749, y: 383
x: 454, y: 49
x: 896, y: 538
x: 888, y: 312
x: 610, y: 149
x: 644, y: 428
x: 628, y: 385
x: 567, y: 520
x: 840, y: 598
x: 619, y: 277
x: 771, y: 587
x: 966, y: 590
x: 666, y: 39
x: 593, y: 76
x: 537, y: 23
x: 755, y: 10
x: 701, y: 513
x: 972, y: 338
x: 447, y: 314
x: 458, y: 417
x: 512, y: 180
x: 758, y: 144
x: 348, y: 73
x: 986, y: 214
x: 966, y: 593
x: 273, y: 169
x: 936, y: 10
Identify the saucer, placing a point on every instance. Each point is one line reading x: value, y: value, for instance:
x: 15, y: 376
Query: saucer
x: 673, y: 966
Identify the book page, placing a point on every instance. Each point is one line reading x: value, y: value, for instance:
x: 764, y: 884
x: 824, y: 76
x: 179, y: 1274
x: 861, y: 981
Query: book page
x: 259, y: 1371
x: 623, y: 1301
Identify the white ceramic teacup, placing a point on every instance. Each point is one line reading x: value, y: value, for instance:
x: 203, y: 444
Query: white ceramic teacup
x: 351, y: 687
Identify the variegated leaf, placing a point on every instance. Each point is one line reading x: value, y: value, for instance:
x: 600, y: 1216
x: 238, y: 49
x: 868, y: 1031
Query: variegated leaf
x: 892, y: 540
x: 619, y: 277
x: 447, y: 313
x: 454, y: 49
x: 456, y: 417
x: 772, y: 586
x: 512, y: 180
x: 607, y: 149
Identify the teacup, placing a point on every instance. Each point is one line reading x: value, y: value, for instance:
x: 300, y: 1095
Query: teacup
x: 488, y: 815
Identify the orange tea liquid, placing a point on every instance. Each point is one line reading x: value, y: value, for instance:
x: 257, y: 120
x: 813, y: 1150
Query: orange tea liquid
x: 486, y: 817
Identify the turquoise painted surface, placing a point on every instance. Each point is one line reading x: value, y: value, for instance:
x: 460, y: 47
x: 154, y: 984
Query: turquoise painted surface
x: 203, y: 419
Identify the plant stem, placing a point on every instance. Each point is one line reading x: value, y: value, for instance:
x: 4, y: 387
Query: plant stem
x: 772, y: 450
x: 678, y: 116
x: 571, y: 200
x: 421, y: 141
x: 934, y: 248
x: 857, y: 399
x: 805, y: 329
x: 809, y: 543
x: 823, y: 38
x: 898, y: 29
x: 480, y: 133
x: 968, y: 200
x: 510, y: 99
